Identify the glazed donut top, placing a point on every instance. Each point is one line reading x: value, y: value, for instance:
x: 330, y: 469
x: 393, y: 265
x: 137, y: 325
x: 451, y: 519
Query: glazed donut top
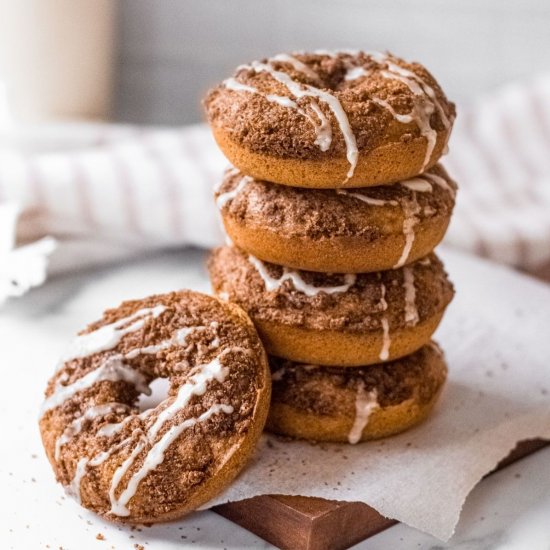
x: 307, y: 105
x: 319, y: 301
x: 327, y: 213
x: 141, y: 465
x: 330, y: 390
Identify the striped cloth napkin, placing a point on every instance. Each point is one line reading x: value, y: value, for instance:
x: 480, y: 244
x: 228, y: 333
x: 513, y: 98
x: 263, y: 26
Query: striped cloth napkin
x: 108, y: 192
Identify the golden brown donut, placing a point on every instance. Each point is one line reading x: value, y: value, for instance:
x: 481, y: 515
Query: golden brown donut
x: 352, y: 405
x: 337, y: 231
x: 331, y: 119
x: 155, y: 465
x: 335, y: 319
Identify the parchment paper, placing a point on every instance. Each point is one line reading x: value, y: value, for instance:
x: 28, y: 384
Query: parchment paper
x: 496, y: 337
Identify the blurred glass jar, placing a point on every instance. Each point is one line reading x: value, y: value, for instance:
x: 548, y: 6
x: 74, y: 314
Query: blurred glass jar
x: 56, y: 59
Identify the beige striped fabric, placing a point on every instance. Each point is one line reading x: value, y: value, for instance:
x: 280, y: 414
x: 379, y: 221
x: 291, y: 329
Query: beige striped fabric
x: 106, y: 192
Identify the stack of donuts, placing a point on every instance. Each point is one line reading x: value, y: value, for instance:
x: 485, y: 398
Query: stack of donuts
x: 332, y: 211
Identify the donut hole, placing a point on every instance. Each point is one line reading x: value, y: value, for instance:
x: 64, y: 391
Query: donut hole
x: 159, y: 392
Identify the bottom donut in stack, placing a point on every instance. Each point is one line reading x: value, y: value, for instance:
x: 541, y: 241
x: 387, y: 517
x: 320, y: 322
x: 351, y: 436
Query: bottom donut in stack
x: 342, y: 404
x: 351, y: 354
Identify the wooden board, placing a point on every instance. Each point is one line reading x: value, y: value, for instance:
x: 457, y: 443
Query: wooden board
x: 306, y: 523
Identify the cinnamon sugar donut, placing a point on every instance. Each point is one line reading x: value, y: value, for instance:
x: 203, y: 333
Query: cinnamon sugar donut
x: 352, y: 405
x: 331, y: 119
x: 335, y: 319
x: 154, y: 465
x: 326, y: 230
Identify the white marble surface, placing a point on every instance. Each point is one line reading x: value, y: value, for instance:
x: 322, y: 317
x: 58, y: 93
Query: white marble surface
x: 509, y: 510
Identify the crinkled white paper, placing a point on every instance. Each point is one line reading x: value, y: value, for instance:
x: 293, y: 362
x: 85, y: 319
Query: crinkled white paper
x: 497, y: 343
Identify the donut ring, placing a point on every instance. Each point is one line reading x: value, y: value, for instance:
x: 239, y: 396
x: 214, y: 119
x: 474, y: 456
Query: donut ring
x: 331, y: 119
x: 335, y: 319
x: 336, y: 231
x: 156, y: 465
x: 352, y: 405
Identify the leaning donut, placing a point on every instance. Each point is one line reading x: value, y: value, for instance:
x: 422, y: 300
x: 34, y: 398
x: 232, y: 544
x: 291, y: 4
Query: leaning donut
x: 331, y: 119
x: 158, y: 464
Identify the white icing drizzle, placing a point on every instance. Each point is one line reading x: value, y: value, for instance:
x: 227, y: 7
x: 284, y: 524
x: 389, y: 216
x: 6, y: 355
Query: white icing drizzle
x: 113, y: 370
x: 120, y: 472
x: 385, y: 324
x: 154, y: 458
x: 441, y: 182
x: 334, y: 53
x: 230, y: 195
x: 411, y: 311
x: 322, y: 126
x: 75, y: 427
x: 420, y: 184
x: 369, y: 200
x: 404, y: 119
x: 410, y: 209
x: 73, y: 488
x: 108, y: 336
x: 296, y: 64
x: 365, y: 404
x: 300, y: 285
x: 353, y: 73
x: 108, y: 430
x: 323, y: 130
x: 179, y: 339
x: 236, y: 86
x: 425, y: 88
x: 386, y: 340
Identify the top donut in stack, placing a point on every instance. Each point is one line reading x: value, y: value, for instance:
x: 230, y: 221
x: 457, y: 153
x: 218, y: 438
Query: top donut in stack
x: 331, y: 119
x: 334, y: 206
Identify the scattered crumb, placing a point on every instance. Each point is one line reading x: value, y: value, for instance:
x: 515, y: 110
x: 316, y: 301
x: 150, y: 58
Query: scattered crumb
x: 139, y: 547
x: 100, y: 536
